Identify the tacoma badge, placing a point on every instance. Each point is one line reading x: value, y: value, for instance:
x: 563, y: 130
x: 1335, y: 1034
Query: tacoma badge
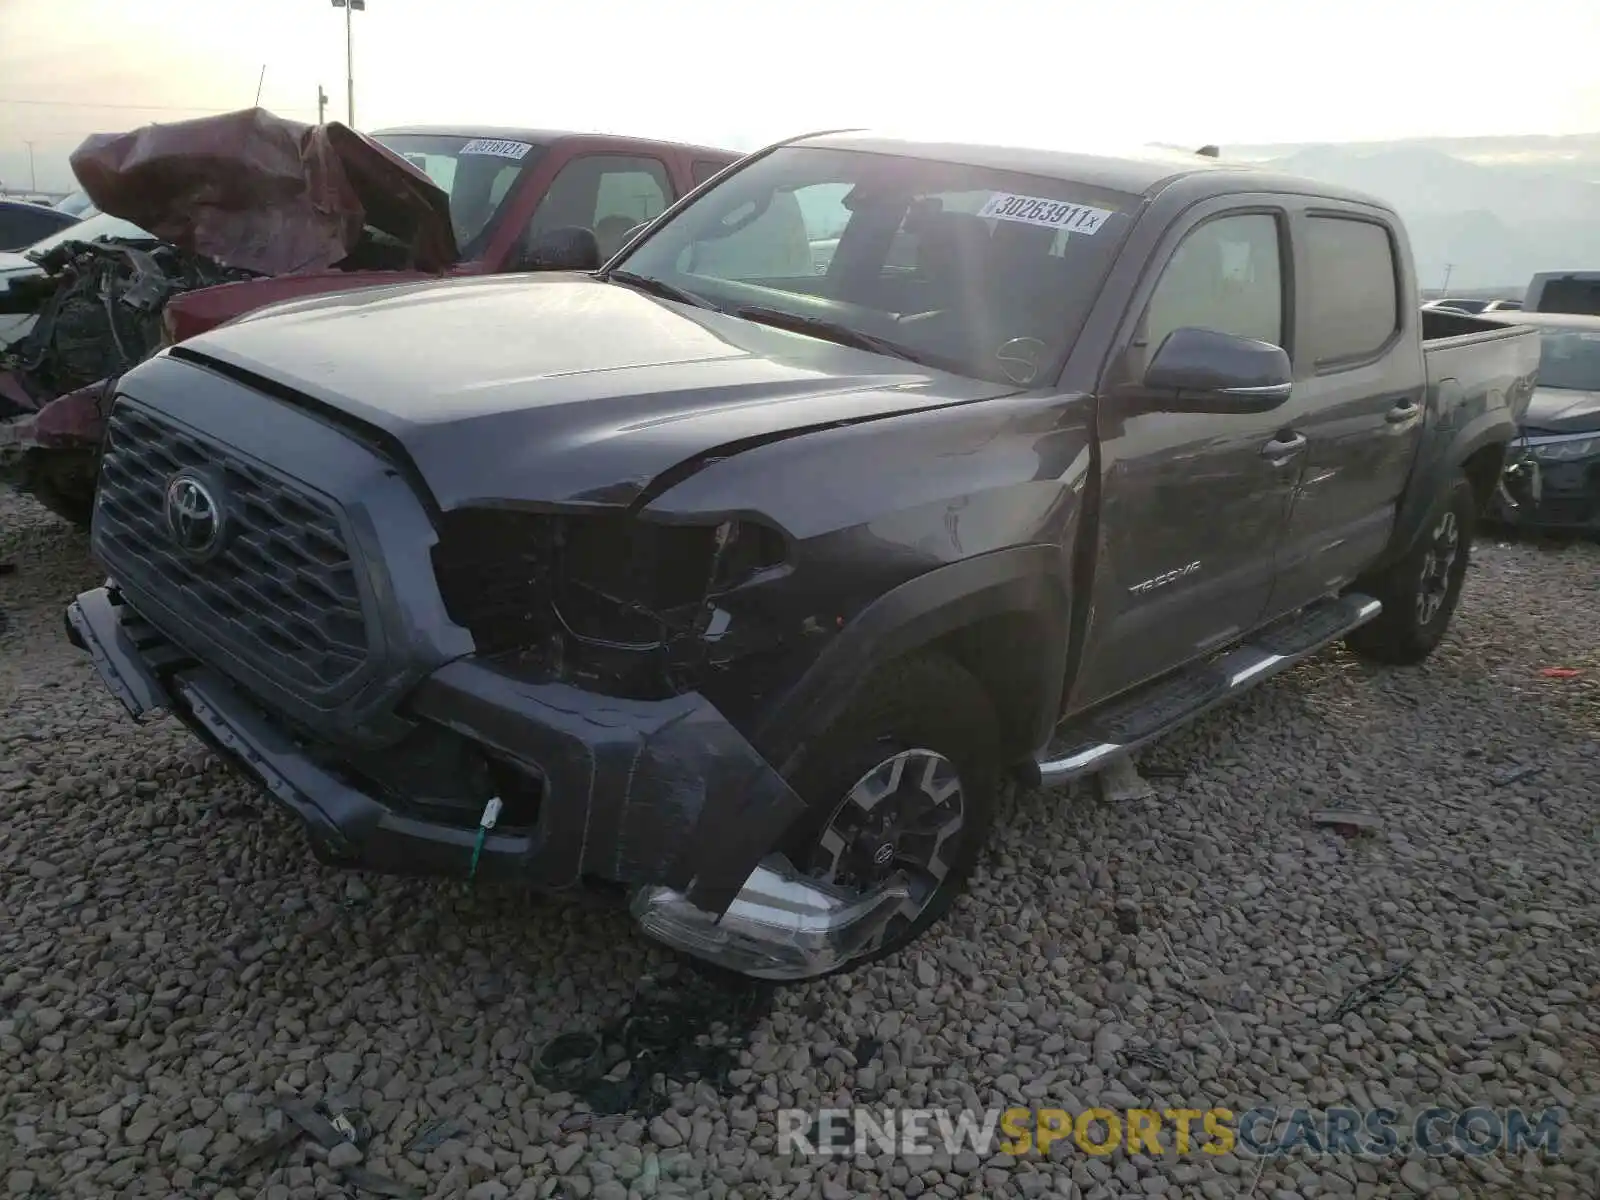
x: 1150, y: 585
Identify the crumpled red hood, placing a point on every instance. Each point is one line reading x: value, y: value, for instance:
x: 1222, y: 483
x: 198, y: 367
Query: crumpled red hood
x: 257, y: 191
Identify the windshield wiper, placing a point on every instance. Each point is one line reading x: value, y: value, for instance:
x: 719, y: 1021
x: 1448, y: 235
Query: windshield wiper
x: 831, y: 331
x: 658, y: 287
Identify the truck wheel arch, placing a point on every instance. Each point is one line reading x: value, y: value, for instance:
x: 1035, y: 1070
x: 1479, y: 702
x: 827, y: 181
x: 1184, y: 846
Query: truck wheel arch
x: 1483, y: 468
x: 1004, y: 616
x: 1476, y: 450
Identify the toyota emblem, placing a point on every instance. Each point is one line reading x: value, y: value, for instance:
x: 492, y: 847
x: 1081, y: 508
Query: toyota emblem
x: 194, y: 518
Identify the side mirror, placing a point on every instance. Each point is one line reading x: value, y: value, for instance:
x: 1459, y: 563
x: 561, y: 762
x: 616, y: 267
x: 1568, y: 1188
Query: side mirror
x: 1201, y: 370
x: 570, y: 248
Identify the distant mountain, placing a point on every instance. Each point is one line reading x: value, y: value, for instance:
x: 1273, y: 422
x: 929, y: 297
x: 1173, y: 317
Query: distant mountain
x: 1492, y: 210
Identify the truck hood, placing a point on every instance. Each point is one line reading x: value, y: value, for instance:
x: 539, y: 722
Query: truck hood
x: 560, y: 388
x: 1563, y: 410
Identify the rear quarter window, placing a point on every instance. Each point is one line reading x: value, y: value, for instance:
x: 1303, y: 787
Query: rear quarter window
x: 1352, y: 293
x: 1572, y: 294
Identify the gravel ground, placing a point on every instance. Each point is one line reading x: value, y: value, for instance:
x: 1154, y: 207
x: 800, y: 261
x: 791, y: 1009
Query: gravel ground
x: 172, y: 961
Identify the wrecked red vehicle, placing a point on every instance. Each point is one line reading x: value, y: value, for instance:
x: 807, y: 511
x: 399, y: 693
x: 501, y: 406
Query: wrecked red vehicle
x: 247, y: 209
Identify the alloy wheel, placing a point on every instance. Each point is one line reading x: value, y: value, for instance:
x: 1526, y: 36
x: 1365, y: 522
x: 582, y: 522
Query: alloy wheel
x: 1438, y: 563
x: 905, y: 818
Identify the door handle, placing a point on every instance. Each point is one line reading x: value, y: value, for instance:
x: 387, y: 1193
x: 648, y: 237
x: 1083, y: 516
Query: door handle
x: 1403, y: 411
x: 1282, y: 447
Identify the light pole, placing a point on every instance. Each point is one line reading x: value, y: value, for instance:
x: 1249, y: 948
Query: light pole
x: 33, y: 180
x: 351, y: 7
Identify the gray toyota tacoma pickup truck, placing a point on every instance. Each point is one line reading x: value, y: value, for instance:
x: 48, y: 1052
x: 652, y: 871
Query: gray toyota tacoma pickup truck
x: 734, y: 577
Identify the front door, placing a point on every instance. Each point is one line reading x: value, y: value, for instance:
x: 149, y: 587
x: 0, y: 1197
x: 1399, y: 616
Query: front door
x: 1193, y: 505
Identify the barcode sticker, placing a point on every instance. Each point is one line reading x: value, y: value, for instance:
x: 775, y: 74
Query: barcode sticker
x: 1037, y: 210
x: 497, y: 147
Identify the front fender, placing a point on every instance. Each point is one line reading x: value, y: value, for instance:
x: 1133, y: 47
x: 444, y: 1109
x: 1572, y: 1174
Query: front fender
x: 953, y: 527
x: 1021, y: 594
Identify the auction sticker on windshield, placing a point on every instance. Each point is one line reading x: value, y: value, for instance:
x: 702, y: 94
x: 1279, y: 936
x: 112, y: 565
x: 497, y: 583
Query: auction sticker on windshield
x: 1037, y: 210
x: 497, y: 147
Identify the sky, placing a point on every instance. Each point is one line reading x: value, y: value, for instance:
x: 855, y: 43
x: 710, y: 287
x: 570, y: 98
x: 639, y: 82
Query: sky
x: 741, y: 74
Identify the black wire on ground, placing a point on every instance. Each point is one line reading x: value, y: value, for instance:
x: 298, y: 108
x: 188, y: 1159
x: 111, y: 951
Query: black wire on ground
x: 689, y: 1032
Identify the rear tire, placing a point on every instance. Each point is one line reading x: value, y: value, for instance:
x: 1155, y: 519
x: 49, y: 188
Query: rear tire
x: 1420, y: 590
x: 919, y: 728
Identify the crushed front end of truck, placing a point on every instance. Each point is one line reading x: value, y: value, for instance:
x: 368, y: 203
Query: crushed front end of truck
x: 481, y: 694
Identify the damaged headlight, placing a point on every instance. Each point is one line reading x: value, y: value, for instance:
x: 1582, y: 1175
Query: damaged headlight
x: 613, y: 582
x: 1566, y: 449
x: 637, y: 582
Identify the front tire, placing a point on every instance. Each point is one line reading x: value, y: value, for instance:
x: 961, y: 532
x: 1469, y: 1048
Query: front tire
x: 905, y: 780
x: 1420, y: 590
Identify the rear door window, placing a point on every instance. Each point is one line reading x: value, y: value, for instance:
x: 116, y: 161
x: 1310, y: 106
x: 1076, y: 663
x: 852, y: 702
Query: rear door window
x: 1570, y: 294
x: 1352, y: 292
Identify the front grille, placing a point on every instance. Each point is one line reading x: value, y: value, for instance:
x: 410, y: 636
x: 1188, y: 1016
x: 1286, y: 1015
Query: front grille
x: 281, y: 593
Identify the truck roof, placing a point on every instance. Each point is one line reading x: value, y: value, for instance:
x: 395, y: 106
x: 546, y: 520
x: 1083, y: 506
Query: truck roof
x: 544, y: 137
x: 1139, y: 171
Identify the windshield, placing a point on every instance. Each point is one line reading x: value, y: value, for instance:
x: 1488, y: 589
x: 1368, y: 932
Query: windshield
x: 478, y: 174
x: 91, y: 229
x: 982, y: 272
x: 1569, y: 359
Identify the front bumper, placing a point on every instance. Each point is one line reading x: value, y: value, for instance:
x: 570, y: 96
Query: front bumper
x: 780, y: 926
x: 661, y: 795
x: 665, y: 796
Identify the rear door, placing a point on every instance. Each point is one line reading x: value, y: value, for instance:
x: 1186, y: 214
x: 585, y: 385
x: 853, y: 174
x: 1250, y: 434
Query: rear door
x: 1193, y: 505
x: 1358, y: 401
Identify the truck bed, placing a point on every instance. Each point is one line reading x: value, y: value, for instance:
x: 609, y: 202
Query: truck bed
x: 1491, y: 361
x: 1442, y: 325
x: 1480, y: 377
